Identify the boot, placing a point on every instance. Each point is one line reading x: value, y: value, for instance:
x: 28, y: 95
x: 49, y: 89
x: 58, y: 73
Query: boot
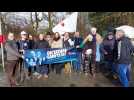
x: 93, y: 70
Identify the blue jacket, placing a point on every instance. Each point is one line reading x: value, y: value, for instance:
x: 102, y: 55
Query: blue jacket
x: 98, y: 55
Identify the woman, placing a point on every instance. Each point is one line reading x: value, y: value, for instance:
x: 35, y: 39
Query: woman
x: 98, y: 53
x: 42, y: 44
x: 67, y: 42
x: 57, y: 43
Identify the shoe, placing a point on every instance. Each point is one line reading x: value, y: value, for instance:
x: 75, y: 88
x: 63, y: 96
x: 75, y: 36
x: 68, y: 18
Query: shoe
x: 46, y: 76
x: 86, y: 74
x: 35, y: 74
x: 39, y: 76
x: 115, y: 77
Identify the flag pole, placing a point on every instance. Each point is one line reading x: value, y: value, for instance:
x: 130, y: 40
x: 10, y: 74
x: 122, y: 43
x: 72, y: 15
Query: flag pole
x: 2, y: 50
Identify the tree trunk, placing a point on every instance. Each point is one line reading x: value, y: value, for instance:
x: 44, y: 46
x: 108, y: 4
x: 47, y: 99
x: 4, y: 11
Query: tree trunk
x: 50, y: 21
x: 83, y: 25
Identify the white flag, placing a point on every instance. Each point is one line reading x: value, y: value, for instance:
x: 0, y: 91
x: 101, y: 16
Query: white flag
x: 67, y: 25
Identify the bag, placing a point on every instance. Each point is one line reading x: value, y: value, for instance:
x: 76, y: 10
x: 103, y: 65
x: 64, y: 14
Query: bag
x: 67, y: 68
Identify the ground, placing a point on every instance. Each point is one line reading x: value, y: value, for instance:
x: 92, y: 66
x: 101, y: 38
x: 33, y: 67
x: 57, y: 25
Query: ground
x: 68, y: 80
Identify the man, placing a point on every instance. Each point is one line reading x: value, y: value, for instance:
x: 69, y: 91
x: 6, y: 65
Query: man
x: 42, y: 44
x: 124, y: 51
x: 107, y: 49
x: 77, y: 41
x: 49, y: 38
x: 12, y: 59
x: 23, y: 45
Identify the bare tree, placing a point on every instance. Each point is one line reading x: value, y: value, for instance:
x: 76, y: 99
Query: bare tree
x: 35, y: 20
x: 3, y: 16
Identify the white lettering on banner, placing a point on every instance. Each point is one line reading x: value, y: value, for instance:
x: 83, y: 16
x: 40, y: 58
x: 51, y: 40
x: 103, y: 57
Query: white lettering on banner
x: 56, y: 53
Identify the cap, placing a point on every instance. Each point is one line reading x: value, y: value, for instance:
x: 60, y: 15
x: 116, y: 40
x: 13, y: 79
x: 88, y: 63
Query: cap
x: 23, y: 32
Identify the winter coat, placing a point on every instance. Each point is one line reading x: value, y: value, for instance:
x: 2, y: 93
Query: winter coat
x: 11, y: 49
x: 57, y: 44
x: 126, y: 50
x: 108, y: 46
x: 41, y: 44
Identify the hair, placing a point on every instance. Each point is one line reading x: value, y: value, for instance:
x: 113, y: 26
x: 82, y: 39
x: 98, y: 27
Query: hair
x: 48, y: 33
x: 94, y: 28
x: 56, y: 39
x: 120, y: 31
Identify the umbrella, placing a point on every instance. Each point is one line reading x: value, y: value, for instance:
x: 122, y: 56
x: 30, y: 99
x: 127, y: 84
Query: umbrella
x: 129, y: 30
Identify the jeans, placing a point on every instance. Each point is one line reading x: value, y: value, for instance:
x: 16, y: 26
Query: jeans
x: 77, y: 64
x: 124, y: 71
x: 42, y: 69
x: 110, y: 66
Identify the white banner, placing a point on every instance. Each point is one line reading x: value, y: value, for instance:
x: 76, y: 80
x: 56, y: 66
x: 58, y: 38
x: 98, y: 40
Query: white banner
x: 67, y: 25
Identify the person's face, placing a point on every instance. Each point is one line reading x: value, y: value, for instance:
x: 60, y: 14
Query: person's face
x: 77, y: 34
x: 30, y: 37
x: 93, y: 31
x: 11, y: 36
x: 57, y: 35
x: 24, y: 36
x: 41, y: 36
x: 110, y: 37
x: 66, y: 35
x: 119, y: 35
x: 48, y: 37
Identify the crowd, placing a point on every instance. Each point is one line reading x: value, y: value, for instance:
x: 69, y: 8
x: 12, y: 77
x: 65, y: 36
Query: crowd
x: 115, y: 50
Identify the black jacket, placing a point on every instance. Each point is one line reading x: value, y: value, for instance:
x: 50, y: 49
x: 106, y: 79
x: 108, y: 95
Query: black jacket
x: 41, y: 44
x: 126, y: 51
x: 108, y: 46
x: 31, y: 44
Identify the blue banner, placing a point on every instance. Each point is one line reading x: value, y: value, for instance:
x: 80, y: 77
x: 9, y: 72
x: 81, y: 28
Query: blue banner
x: 49, y: 56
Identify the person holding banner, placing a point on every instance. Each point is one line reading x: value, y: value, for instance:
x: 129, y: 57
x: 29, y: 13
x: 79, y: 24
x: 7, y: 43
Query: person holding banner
x: 67, y: 42
x: 57, y: 43
x: 12, y: 59
x: 42, y: 44
x: 23, y: 45
x: 49, y: 38
x: 77, y: 41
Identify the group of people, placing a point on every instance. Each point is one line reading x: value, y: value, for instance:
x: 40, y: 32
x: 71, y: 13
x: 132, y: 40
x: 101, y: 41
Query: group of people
x: 115, y: 50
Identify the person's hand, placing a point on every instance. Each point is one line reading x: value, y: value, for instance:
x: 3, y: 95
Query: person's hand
x: 105, y: 53
x: 21, y: 51
x: 22, y: 56
x: 77, y: 46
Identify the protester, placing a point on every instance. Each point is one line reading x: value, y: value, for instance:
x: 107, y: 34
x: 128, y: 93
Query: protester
x: 87, y: 52
x: 98, y: 52
x: 42, y: 44
x: 12, y: 59
x: 23, y: 44
x: 107, y: 49
x: 49, y: 38
x: 67, y: 43
x: 31, y: 41
x: 124, y: 59
x: 91, y: 45
x: 77, y: 41
x: 57, y: 43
